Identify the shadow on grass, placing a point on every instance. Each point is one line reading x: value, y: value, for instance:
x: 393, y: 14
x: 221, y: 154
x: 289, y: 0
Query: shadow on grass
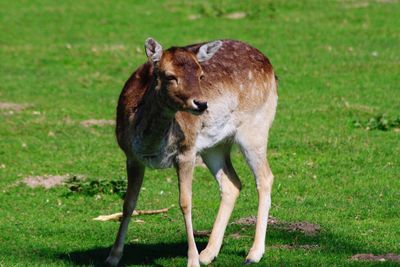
x: 137, y: 254
x: 149, y: 254
x: 323, y: 242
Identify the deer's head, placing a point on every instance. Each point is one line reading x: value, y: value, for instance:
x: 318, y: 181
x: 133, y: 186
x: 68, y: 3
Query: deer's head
x: 179, y: 74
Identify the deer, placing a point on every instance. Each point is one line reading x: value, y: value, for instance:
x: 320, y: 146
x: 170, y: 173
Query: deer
x: 199, y: 100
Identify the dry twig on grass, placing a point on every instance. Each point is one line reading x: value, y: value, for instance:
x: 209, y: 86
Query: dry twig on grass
x: 118, y: 216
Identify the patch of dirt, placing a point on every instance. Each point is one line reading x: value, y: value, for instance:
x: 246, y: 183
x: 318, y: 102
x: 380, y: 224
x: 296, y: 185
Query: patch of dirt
x: 193, y: 17
x: 13, y: 106
x: 252, y: 220
x: 386, y: 1
x: 48, y: 181
x: 366, y: 3
x: 295, y: 246
x: 93, y: 122
x: 357, y: 5
x: 359, y: 107
x: 236, y: 15
x: 235, y: 235
x: 272, y: 220
x: 372, y: 257
x: 303, y: 227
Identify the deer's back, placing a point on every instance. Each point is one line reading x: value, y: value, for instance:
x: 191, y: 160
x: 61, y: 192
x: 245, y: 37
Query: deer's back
x: 238, y: 69
x: 129, y: 101
x: 241, y: 90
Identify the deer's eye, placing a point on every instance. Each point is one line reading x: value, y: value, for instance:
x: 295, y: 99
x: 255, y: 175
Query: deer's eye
x: 202, y: 77
x: 171, y: 78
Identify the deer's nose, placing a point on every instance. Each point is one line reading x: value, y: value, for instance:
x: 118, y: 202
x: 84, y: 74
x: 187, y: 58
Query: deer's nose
x: 201, y: 105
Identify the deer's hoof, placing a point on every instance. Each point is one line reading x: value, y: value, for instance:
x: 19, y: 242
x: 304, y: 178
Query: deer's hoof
x: 207, y: 256
x: 248, y: 262
x: 193, y: 263
x: 254, y: 256
x: 112, y: 261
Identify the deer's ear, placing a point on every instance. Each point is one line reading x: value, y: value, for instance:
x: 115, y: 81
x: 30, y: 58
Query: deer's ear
x: 208, y: 50
x: 153, y: 50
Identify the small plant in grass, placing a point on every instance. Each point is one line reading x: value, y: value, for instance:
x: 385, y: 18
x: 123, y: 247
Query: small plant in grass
x: 379, y: 122
x: 94, y: 187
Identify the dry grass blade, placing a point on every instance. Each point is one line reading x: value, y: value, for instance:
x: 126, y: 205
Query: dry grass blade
x: 111, y: 217
x: 93, y: 122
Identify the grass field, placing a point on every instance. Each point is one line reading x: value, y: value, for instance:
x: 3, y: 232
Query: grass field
x: 338, y: 62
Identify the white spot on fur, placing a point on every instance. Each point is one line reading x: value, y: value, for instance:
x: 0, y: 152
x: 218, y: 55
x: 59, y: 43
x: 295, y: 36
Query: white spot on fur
x: 218, y: 176
x: 250, y: 75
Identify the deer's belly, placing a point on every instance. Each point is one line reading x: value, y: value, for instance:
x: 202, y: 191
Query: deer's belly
x: 157, y: 161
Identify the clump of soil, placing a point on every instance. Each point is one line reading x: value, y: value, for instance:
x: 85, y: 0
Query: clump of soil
x: 47, y: 181
x: 372, y: 257
x: 13, y: 106
x: 303, y: 227
x: 250, y: 220
x: 93, y: 122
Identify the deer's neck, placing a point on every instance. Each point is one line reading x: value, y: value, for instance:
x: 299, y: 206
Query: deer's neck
x: 156, y: 133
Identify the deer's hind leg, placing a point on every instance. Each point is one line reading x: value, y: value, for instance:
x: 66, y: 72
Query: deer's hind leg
x: 219, y: 162
x: 253, y: 144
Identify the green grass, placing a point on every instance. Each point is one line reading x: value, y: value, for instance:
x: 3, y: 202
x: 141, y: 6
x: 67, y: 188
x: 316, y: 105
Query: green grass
x: 337, y: 61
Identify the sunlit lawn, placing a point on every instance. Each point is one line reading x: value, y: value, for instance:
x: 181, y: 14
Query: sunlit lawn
x: 337, y: 62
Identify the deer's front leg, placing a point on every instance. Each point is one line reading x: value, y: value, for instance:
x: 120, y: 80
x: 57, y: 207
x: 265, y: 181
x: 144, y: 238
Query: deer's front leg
x: 135, y: 178
x: 185, y: 166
